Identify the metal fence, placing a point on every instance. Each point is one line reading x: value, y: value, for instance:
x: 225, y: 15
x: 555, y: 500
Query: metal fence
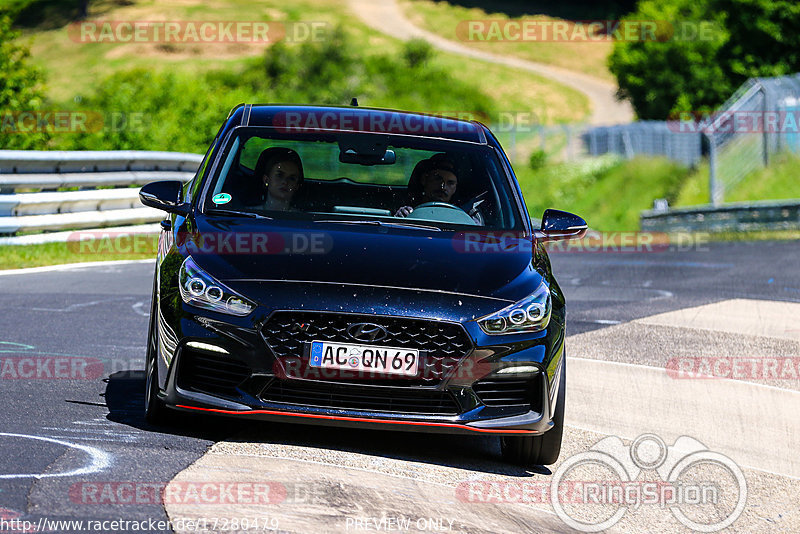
x: 732, y: 217
x: 761, y: 119
x: 34, y: 196
x: 757, y: 122
x: 653, y: 138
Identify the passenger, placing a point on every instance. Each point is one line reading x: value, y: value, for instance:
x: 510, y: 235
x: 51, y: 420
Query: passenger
x: 280, y: 170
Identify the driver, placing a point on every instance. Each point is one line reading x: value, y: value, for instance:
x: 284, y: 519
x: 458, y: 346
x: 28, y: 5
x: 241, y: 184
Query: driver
x: 433, y: 180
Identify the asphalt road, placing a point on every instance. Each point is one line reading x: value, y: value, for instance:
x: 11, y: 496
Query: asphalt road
x: 72, y: 345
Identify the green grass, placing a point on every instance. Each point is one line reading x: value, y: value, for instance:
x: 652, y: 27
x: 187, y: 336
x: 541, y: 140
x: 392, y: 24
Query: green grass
x: 609, y: 193
x: 756, y: 235
x: 74, y: 68
x: 779, y: 181
x: 136, y: 247
x: 449, y: 20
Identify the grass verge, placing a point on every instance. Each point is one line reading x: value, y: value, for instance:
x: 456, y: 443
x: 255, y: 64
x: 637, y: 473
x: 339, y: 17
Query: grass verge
x: 450, y: 21
x: 608, y: 192
x: 130, y: 247
x: 779, y: 181
x: 74, y: 68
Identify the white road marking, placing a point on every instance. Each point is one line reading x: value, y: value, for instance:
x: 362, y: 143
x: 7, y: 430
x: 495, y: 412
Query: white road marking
x: 103, y: 440
x: 98, y: 421
x: 92, y: 431
x: 21, y: 346
x: 79, y: 305
x: 137, y: 308
x: 100, y: 459
x: 662, y: 294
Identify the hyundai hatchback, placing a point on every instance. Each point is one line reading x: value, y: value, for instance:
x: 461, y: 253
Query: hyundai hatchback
x: 359, y: 268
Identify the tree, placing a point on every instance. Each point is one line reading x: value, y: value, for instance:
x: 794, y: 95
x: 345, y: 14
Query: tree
x: 675, y: 69
x: 763, y: 37
x: 704, y: 52
x: 20, y: 91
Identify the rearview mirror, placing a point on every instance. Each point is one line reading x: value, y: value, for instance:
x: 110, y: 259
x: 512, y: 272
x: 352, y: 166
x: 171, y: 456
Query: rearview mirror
x: 558, y: 225
x: 164, y: 195
x: 369, y: 158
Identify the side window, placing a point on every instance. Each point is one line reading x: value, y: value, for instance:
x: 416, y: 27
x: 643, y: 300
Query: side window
x: 192, y: 188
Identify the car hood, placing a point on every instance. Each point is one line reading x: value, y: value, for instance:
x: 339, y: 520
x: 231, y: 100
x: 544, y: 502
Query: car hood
x: 243, y: 249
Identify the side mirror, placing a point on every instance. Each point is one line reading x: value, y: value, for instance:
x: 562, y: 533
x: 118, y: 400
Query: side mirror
x: 558, y: 225
x: 164, y: 195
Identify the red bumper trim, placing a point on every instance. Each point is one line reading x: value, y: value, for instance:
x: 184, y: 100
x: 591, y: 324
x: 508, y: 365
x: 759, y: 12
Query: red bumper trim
x: 358, y: 419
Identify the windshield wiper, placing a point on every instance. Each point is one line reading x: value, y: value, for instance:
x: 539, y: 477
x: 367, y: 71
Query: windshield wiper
x: 389, y: 224
x: 234, y: 213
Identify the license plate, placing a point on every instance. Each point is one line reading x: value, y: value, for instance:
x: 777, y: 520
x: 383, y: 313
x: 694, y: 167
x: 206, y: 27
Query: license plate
x: 368, y: 358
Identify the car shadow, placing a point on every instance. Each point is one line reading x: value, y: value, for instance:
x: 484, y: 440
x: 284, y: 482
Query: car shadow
x: 125, y: 400
x: 468, y: 453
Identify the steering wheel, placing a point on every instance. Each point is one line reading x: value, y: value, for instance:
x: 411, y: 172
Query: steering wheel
x: 437, y: 205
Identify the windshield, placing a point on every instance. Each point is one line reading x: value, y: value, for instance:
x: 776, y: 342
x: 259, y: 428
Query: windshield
x: 361, y: 177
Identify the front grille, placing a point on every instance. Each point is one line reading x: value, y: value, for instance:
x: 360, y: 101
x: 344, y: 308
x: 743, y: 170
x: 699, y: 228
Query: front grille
x: 442, y: 344
x: 210, y: 373
x: 504, y: 393
x: 368, y: 398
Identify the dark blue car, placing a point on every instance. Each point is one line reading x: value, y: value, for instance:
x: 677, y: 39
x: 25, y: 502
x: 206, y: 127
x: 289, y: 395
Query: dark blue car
x: 359, y: 267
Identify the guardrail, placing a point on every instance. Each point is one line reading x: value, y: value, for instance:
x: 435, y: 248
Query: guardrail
x: 22, y: 171
x: 733, y: 217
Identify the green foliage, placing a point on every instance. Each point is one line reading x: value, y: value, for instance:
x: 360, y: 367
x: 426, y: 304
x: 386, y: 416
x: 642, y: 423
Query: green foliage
x: 44, y: 14
x: 674, y: 72
x: 147, y: 110
x: 417, y: 52
x: 608, y: 192
x: 763, y: 37
x: 538, y: 159
x: 143, y: 110
x: 707, y: 49
x: 20, y: 90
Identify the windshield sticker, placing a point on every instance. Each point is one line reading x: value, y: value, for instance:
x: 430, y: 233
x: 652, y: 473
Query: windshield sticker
x: 221, y: 198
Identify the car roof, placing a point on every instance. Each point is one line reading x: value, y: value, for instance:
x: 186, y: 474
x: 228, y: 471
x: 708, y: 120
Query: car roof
x: 302, y: 118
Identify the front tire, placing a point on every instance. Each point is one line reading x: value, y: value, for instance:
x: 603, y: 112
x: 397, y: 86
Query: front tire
x: 155, y: 411
x: 529, y: 451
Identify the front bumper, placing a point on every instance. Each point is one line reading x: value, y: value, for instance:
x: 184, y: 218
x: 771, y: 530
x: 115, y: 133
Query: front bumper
x: 469, y: 398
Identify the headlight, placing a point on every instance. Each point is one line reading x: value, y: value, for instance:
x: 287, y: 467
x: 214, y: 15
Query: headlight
x: 200, y: 289
x: 531, y: 314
